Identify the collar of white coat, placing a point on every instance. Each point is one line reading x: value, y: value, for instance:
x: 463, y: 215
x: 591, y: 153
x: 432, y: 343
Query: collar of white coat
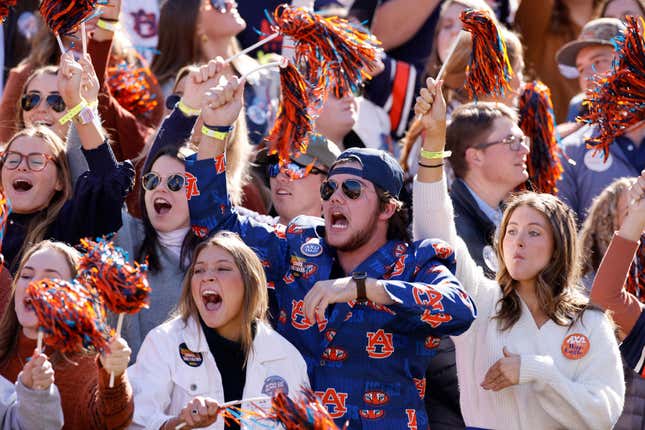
x: 264, y: 344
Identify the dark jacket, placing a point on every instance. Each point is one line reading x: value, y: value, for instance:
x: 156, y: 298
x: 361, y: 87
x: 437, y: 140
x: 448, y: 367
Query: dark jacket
x: 473, y: 226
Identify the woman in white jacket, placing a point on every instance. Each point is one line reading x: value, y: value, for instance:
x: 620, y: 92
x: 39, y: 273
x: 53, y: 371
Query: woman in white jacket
x: 218, y: 348
x: 537, y: 356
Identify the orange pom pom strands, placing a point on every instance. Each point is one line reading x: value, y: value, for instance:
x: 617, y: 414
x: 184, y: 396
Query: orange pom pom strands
x: 334, y: 52
x: 69, y: 314
x: 617, y: 100
x: 5, y: 5
x: 537, y: 121
x: 489, y: 70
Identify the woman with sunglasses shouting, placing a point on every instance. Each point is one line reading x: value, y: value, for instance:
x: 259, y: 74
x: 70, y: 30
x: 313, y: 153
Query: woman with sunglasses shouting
x: 36, y: 178
x: 538, y: 356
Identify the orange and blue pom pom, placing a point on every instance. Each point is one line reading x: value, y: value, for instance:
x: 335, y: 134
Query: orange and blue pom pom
x: 537, y: 121
x: 64, y: 17
x: 122, y: 287
x: 69, y: 314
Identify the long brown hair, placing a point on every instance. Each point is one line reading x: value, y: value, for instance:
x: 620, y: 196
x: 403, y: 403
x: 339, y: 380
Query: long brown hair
x: 255, y: 303
x: 9, y: 325
x: 558, y: 287
x: 38, y: 225
x: 601, y: 223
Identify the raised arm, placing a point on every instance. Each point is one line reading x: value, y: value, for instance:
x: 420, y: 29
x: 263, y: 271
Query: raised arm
x: 433, y: 214
x: 608, y: 289
x: 210, y: 206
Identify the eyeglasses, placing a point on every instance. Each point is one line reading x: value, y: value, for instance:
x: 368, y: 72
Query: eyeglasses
x: 514, y: 142
x: 294, y: 171
x: 31, y: 100
x: 172, y: 100
x: 223, y: 6
x: 174, y: 182
x: 351, y: 188
x: 36, y: 161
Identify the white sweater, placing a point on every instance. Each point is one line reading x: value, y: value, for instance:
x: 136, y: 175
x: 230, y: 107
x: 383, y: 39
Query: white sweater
x: 554, y: 392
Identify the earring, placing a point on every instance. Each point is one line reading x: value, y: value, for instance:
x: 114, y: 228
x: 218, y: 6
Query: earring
x: 204, y: 38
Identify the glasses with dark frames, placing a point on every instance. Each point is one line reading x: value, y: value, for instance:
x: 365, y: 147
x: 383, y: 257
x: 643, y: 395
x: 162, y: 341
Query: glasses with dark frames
x: 152, y: 180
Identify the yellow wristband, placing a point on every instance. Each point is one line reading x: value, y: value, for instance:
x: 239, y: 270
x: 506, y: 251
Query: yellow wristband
x: 219, y: 135
x: 73, y: 112
x: 433, y: 155
x: 188, y: 111
x: 107, y: 26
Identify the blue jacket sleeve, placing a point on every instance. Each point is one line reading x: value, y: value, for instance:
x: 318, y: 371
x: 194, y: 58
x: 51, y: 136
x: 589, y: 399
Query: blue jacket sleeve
x: 99, y: 194
x: 433, y: 303
x: 211, y: 211
x: 174, y: 131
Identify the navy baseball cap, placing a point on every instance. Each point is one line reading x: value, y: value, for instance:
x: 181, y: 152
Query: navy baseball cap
x: 377, y: 166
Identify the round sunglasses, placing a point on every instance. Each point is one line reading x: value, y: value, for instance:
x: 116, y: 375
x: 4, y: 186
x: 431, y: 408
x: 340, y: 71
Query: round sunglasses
x: 174, y: 182
x: 36, y: 161
x: 351, y: 188
x: 55, y: 101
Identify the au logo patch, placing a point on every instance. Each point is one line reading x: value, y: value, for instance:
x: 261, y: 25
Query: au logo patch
x: 312, y: 248
x: 575, y: 346
x: 193, y: 359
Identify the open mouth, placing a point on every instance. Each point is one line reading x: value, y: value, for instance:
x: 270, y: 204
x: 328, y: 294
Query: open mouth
x: 29, y: 304
x: 282, y: 192
x: 338, y: 220
x: 162, y: 206
x: 43, y: 122
x: 212, y: 300
x: 22, y: 185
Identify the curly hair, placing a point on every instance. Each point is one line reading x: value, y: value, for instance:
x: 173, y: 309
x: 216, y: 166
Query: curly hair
x: 558, y: 287
x: 601, y: 223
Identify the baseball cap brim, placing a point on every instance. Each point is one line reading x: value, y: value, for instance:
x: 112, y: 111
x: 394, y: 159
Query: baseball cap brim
x: 568, y: 53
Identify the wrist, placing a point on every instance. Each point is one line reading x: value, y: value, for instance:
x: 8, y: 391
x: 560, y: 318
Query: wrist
x: 186, y: 107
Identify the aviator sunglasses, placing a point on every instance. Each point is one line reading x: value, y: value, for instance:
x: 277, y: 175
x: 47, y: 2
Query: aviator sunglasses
x: 30, y: 101
x: 351, y: 188
x: 174, y: 182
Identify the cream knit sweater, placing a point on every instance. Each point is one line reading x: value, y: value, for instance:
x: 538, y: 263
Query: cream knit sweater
x: 554, y: 392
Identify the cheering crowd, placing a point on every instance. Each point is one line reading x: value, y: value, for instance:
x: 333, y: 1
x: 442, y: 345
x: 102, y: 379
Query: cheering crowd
x: 422, y: 263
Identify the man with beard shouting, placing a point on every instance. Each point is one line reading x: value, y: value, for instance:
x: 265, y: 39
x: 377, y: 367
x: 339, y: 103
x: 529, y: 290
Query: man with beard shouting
x: 364, y: 305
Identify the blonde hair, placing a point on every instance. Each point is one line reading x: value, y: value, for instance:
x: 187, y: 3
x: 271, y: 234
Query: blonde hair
x: 558, y: 287
x: 601, y: 223
x: 9, y: 324
x: 255, y: 302
x: 38, y: 226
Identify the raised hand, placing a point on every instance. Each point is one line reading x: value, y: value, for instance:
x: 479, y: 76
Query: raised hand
x: 38, y: 373
x: 222, y: 104
x: 634, y: 222
x: 117, y: 359
x: 89, y: 80
x: 201, y: 79
x: 430, y: 107
x: 70, y: 76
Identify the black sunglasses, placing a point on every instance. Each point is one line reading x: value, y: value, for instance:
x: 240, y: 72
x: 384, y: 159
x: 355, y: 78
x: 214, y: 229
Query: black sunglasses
x: 31, y: 100
x: 174, y: 182
x: 172, y: 100
x: 351, y: 188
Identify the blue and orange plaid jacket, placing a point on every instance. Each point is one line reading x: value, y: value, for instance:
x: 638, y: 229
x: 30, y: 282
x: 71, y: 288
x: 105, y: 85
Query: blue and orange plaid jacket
x: 366, y: 362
